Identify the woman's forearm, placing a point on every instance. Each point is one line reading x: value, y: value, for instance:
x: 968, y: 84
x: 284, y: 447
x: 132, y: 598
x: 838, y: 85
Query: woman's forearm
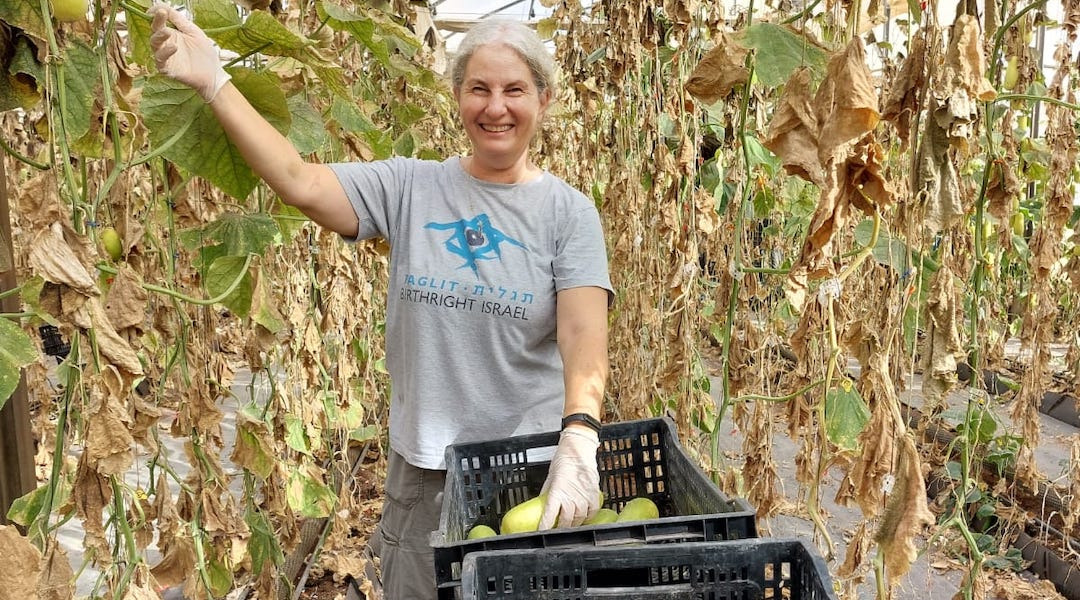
x: 312, y: 188
x: 583, y: 343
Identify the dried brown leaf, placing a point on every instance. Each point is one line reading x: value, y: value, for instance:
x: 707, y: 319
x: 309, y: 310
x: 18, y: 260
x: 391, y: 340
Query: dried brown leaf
x: 168, y: 518
x: 857, y: 550
x: 720, y: 70
x: 15, y: 549
x: 125, y: 302
x: 846, y: 102
x: 907, y: 514
x: 91, y: 493
x: 39, y: 201
x: 57, y: 577
x: 52, y: 257
x: 937, y: 184
x: 91, y: 315
x: 1003, y: 187
x: 794, y: 129
x: 1008, y: 585
x: 1072, y: 511
x: 902, y: 103
x: 864, y: 481
x: 110, y: 448
x: 964, y: 59
x: 759, y: 466
x: 943, y: 346
x: 864, y: 184
x: 176, y: 564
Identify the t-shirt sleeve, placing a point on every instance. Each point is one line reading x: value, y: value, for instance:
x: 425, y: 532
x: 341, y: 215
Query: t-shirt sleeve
x: 376, y: 191
x: 580, y: 253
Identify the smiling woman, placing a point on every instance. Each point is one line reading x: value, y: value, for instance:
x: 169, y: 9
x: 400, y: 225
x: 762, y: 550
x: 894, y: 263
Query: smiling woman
x: 517, y: 340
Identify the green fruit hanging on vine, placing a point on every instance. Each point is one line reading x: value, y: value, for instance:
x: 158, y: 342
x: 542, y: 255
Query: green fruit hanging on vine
x: 69, y: 11
x: 110, y: 240
x: 1012, y: 73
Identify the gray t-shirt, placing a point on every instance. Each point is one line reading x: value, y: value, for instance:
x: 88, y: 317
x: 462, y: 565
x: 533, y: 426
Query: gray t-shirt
x: 474, y: 269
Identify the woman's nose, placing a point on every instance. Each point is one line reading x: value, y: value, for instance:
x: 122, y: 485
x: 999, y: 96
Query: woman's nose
x: 496, y: 104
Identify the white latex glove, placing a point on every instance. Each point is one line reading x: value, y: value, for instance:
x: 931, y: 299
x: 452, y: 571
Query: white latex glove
x: 185, y: 53
x: 573, y: 481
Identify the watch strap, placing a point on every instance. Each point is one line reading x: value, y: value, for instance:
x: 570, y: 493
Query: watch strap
x: 585, y: 418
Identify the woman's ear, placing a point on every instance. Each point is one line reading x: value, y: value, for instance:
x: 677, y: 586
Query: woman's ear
x: 545, y: 101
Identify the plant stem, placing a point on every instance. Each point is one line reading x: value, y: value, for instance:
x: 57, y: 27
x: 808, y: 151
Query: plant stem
x: 1034, y: 98
x: 23, y: 159
x: 72, y: 383
x: 786, y: 398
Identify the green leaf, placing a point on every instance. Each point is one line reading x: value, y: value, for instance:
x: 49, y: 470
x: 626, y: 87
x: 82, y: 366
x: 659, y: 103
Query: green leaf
x: 221, y: 276
x: 21, y: 82
x: 405, y: 145
x: 916, y: 10
x: 546, y: 28
x: 289, y: 219
x: 985, y: 510
x: 979, y: 427
x: 206, y: 257
x: 264, y: 312
x: 26, y: 15
x: 779, y: 51
x: 953, y: 470
x: 221, y: 578
x: 363, y: 434
x: 349, y: 117
x: 16, y: 351
x: 30, y: 292
x: 295, y: 435
x: 378, y: 34
x: 28, y: 509
x: 263, y: 546
x: 407, y: 113
x: 241, y: 234
x: 262, y: 33
x: 82, y: 82
x: 254, y: 449
x: 308, y: 495
x: 138, y: 25
x: 846, y: 415
x: 381, y: 145
x: 761, y: 156
x: 308, y: 133
x: 890, y: 251
x: 170, y: 107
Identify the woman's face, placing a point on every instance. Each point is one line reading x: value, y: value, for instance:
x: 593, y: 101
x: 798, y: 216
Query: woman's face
x: 500, y: 106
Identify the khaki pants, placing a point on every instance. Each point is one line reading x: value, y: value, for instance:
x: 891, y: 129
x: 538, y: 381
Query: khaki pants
x: 410, y: 513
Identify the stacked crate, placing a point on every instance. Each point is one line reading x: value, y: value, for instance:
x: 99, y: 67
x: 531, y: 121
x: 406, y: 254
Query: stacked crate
x: 704, y: 545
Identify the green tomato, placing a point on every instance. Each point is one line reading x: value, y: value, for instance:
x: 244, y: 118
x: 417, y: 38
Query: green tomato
x: 110, y: 240
x: 480, y: 532
x: 69, y: 11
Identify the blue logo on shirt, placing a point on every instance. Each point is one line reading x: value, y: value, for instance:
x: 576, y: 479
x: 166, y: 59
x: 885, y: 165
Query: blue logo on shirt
x: 474, y: 240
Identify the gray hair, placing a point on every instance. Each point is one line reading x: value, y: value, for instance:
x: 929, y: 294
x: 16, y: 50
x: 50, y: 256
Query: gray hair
x: 515, y: 35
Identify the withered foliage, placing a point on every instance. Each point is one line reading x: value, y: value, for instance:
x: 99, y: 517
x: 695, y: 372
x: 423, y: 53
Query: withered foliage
x: 906, y: 515
x: 653, y: 91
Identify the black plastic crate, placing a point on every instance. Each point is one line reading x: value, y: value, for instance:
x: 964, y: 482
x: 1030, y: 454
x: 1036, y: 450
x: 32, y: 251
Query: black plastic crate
x: 739, y: 569
x: 636, y: 458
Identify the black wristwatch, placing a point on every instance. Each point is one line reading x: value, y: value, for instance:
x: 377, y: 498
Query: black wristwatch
x: 585, y: 418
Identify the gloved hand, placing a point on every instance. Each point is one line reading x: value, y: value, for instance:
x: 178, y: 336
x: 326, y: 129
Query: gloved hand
x: 185, y: 53
x: 573, y: 481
